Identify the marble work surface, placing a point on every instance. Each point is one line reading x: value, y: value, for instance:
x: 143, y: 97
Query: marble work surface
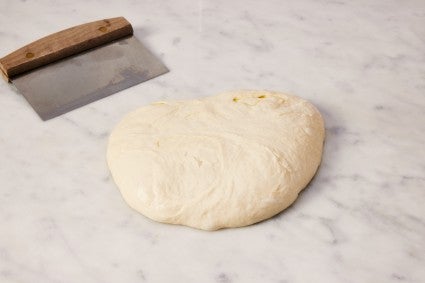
x: 362, y: 219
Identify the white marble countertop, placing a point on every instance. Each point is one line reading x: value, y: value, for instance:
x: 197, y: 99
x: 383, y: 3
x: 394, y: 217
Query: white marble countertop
x: 361, y: 219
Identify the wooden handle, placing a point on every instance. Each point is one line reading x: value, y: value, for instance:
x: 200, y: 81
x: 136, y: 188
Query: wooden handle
x: 62, y: 44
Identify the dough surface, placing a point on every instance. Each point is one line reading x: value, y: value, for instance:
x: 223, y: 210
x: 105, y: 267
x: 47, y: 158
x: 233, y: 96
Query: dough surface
x: 228, y: 160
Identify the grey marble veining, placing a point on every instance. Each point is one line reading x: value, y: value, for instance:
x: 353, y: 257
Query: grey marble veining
x: 362, y: 219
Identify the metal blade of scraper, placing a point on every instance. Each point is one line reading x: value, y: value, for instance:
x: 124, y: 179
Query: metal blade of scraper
x: 62, y: 86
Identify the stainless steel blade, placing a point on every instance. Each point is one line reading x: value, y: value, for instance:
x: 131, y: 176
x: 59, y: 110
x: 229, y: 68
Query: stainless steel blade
x: 62, y: 86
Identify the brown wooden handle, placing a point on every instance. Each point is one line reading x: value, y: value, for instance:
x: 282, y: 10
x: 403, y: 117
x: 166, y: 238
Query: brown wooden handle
x: 62, y: 44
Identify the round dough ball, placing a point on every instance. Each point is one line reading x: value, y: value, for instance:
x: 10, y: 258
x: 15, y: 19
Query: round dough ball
x: 228, y: 160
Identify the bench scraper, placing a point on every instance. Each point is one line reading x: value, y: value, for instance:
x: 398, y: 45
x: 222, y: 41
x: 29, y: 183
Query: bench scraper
x: 79, y: 65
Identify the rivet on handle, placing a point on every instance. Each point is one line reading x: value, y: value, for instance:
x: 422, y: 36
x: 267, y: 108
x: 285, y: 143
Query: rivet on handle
x: 29, y: 55
x: 102, y: 29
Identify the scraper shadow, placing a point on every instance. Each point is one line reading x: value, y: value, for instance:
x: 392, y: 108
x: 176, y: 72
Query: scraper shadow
x: 319, y: 182
x: 13, y: 88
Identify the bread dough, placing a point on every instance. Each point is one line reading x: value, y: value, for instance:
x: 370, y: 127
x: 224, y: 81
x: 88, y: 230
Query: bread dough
x: 228, y: 160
